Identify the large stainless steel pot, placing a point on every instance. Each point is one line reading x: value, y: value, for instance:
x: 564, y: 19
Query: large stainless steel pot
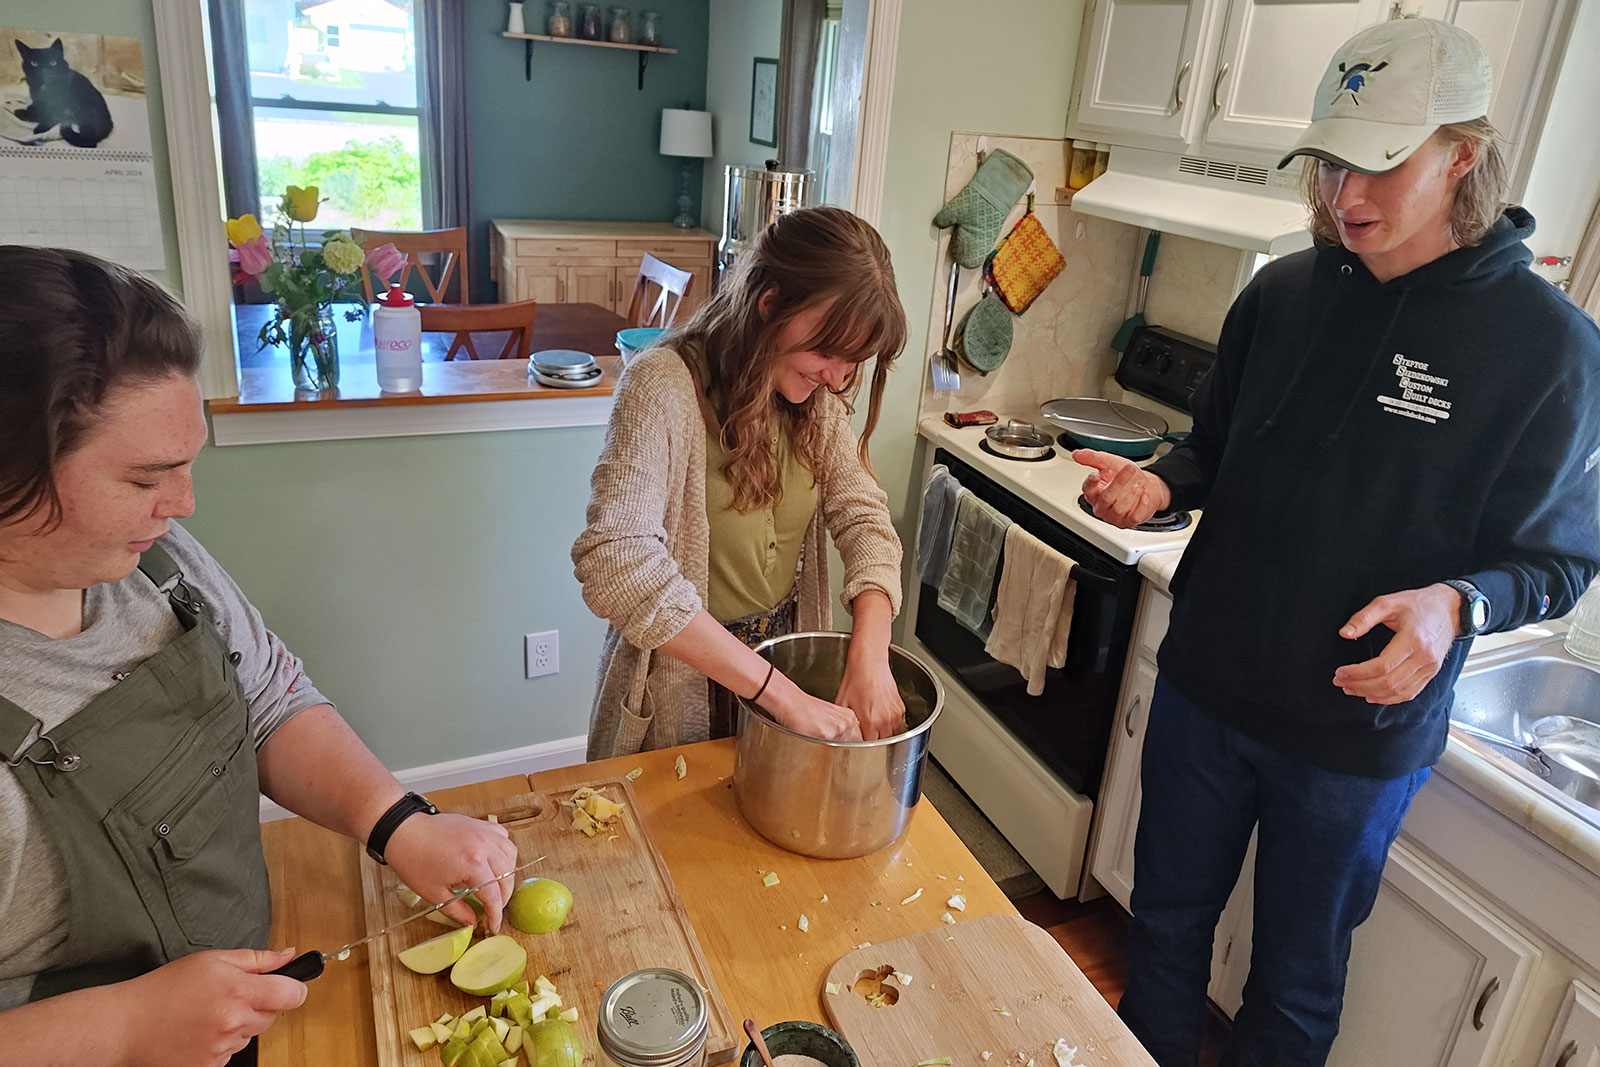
x: 832, y: 799
x: 752, y: 199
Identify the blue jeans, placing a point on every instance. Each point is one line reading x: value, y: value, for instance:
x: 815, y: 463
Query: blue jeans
x: 1322, y: 841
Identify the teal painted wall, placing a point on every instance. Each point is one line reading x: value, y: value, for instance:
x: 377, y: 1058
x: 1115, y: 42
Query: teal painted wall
x: 741, y: 30
x: 579, y: 141
x: 404, y: 571
x: 125, y: 19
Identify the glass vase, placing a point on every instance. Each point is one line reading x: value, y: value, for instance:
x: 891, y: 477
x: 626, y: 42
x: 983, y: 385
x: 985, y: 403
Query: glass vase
x: 313, y: 347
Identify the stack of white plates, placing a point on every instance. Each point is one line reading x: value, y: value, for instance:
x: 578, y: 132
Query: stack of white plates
x: 563, y: 368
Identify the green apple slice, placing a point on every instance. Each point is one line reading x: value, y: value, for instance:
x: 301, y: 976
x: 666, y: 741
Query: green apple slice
x: 436, y: 953
x: 491, y: 965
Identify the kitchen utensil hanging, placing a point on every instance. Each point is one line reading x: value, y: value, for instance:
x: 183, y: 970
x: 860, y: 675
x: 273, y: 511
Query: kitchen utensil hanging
x: 946, y: 375
x: 1026, y: 262
x: 1136, y: 320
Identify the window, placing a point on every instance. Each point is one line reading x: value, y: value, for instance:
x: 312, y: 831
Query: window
x: 334, y: 96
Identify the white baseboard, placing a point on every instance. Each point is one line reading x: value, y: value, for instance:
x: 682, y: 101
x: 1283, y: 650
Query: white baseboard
x: 562, y: 752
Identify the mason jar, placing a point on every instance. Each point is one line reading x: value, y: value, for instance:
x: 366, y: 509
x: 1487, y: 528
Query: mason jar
x: 656, y: 1017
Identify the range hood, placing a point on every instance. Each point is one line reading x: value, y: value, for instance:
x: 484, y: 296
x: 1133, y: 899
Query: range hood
x: 1239, y: 205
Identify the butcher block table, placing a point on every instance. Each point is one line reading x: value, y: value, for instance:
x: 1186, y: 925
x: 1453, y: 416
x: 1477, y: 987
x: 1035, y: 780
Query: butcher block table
x: 767, y: 968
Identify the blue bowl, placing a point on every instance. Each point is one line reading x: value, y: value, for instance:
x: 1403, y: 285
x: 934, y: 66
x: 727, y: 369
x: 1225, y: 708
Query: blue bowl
x: 631, y: 342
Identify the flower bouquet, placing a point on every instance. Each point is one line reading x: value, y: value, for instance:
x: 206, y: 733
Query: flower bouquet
x: 305, y: 279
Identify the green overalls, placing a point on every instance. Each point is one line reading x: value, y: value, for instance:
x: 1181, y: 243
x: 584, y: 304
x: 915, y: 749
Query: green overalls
x: 150, y: 796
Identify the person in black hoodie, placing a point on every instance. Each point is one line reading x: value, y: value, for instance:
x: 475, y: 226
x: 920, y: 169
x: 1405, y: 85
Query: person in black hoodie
x: 1395, y: 451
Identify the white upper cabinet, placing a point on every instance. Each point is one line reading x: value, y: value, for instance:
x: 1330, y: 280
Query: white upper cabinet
x: 1137, y: 73
x: 1575, y: 1041
x: 1269, y: 65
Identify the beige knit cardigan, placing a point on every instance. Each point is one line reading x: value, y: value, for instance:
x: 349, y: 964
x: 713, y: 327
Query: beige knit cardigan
x: 644, y: 560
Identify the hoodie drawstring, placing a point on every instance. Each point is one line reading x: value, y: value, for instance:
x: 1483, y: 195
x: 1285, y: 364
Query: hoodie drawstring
x: 1378, y: 349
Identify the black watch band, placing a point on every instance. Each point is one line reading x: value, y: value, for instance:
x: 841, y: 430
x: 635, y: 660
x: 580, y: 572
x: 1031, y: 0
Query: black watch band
x: 390, y: 821
x: 1474, y: 617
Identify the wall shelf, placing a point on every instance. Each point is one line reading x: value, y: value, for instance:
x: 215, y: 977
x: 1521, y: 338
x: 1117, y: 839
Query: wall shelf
x: 527, y: 39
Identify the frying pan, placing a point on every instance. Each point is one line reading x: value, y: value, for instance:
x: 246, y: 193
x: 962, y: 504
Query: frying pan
x: 1019, y: 440
x: 1108, y: 425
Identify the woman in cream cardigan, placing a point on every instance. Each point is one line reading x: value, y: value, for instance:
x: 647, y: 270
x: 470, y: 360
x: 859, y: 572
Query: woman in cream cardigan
x: 728, y: 461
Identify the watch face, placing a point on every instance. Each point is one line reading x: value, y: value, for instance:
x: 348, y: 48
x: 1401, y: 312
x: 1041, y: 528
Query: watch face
x: 1480, y: 613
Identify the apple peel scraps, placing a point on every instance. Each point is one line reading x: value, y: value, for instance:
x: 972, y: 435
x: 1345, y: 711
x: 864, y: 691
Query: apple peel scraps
x: 958, y: 902
x: 1065, y: 1054
x: 680, y: 766
x: 592, y: 811
x: 912, y: 897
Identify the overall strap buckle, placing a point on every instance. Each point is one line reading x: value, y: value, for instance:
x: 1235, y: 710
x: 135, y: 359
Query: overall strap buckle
x: 59, y: 758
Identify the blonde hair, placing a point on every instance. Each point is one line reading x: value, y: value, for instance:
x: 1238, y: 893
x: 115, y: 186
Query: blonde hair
x: 1479, y: 196
x: 821, y: 257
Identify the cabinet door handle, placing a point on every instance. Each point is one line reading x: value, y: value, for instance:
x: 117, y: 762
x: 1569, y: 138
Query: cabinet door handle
x: 1216, y: 87
x: 1483, y: 1002
x: 1567, y: 1054
x: 1177, y: 84
x: 1128, y: 723
x: 567, y: 248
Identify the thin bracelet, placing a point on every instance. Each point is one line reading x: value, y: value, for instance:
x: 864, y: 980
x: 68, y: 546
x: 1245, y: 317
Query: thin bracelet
x: 770, y: 668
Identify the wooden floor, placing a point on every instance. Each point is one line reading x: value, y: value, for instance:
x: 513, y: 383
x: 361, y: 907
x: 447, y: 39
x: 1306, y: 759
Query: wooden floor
x: 1093, y: 935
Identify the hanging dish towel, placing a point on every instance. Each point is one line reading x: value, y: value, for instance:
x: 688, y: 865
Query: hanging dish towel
x: 984, y: 336
x: 1033, y: 608
x: 1025, y: 263
x: 939, y: 500
x: 975, y: 546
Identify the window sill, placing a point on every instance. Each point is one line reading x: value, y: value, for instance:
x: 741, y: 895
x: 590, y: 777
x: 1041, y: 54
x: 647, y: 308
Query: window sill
x: 457, y: 397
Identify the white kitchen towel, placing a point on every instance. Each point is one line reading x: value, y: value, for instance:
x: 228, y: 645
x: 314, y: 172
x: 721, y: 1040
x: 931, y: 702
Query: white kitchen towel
x: 975, y: 546
x: 1033, y: 608
x: 939, y: 499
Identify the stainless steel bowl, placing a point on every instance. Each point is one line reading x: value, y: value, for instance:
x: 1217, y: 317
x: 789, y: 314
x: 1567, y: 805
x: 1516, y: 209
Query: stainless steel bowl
x: 832, y: 799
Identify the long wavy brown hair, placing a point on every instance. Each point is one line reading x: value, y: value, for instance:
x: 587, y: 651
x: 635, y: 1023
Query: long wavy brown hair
x: 820, y: 257
x: 1479, y: 197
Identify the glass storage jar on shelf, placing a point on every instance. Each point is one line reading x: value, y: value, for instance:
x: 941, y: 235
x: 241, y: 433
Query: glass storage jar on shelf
x: 621, y: 31
x: 1082, y: 172
x: 649, y: 29
x: 560, y: 19
x: 591, y: 27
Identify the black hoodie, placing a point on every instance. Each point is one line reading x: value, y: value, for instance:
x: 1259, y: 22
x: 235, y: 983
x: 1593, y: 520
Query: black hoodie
x: 1356, y: 439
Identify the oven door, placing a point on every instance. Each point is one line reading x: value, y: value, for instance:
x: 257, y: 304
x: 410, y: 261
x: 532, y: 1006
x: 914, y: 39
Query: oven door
x: 1033, y: 763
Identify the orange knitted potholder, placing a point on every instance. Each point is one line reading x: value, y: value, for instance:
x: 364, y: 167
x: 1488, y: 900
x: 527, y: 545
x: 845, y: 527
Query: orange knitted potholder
x: 1025, y: 263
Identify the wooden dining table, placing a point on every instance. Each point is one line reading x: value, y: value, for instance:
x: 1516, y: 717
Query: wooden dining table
x: 266, y: 384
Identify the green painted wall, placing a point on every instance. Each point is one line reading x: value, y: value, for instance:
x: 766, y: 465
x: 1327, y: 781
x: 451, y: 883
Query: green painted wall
x: 124, y: 19
x: 1001, y: 67
x: 579, y: 141
x: 741, y: 30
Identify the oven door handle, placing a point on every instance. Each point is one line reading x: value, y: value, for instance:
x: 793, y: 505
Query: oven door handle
x: 1083, y: 576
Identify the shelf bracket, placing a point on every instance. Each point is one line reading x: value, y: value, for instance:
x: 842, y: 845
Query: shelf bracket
x: 644, y: 58
x: 527, y: 61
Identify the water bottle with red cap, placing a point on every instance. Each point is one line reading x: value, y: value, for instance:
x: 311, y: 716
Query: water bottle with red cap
x: 397, y: 339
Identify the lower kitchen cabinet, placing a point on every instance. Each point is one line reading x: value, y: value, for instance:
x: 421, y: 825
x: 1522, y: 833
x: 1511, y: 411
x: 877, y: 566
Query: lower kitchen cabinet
x: 1575, y: 1041
x: 1111, y: 856
x: 1435, y: 977
x: 593, y: 262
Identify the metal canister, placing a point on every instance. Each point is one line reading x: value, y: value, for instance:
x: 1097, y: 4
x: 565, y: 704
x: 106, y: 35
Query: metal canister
x: 752, y: 199
x: 656, y: 1017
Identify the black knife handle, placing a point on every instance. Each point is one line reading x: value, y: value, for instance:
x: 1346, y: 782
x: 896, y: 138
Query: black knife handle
x: 303, y: 967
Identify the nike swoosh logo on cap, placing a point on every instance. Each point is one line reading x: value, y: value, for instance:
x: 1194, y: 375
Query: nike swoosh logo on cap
x: 1396, y: 152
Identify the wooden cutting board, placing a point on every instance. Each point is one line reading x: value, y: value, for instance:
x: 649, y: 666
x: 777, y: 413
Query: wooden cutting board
x: 626, y: 915
x: 961, y: 976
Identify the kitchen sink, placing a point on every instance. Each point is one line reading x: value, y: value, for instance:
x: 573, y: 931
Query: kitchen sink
x: 1512, y: 690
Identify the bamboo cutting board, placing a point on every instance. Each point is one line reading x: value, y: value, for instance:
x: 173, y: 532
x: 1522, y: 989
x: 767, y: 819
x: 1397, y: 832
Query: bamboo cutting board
x: 962, y: 977
x: 625, y: 916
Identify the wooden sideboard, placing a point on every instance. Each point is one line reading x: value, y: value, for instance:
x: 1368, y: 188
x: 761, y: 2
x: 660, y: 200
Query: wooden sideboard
x: 570, y: 262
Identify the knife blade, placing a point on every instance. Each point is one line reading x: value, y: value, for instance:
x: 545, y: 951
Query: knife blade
x: 309, y: 965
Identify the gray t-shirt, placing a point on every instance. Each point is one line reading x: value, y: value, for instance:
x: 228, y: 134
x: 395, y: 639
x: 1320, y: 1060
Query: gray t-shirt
x: 124, y: 624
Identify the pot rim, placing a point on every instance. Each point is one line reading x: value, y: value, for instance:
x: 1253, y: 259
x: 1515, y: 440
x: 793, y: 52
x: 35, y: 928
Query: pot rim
x: 882, y: 742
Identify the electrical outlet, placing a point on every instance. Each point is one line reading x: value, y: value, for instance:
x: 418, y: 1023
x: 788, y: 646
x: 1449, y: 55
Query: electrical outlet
x: 541, y: 653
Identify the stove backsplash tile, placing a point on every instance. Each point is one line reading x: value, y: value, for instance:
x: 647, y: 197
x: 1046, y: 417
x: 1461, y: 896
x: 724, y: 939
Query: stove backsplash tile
x: 1061, y: 345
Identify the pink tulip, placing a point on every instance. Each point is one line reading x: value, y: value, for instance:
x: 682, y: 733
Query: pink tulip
x: 255, y: 256
x: 386, y: 260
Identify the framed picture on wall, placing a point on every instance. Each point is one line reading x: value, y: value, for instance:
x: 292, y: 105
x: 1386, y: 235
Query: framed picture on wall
x: 764, y: 102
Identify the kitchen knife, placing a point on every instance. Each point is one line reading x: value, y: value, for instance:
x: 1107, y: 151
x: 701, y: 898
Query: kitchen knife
x: 309, y: 965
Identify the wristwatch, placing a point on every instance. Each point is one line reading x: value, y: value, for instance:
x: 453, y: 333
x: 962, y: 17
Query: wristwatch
x: 1474, y: 608
x: 390, y: 821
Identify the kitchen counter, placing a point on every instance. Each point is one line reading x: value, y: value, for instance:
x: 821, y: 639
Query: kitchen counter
x: 765, y: 972
x: 1495, y: 778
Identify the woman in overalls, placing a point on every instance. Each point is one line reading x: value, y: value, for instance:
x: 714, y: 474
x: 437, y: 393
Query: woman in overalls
x: 144, y: 706
x: 728, y: 461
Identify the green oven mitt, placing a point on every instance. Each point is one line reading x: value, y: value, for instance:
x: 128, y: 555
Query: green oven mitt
x: 979, y: 210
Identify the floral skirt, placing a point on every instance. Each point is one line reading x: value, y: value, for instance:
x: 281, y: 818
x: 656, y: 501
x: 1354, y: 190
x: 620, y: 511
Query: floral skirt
x: 752, y: 630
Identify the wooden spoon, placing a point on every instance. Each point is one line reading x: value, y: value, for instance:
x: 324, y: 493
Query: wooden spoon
x: 758, y: 1041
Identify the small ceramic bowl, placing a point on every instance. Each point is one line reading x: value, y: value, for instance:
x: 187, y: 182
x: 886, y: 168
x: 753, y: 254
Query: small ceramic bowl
x: 631, y: 342
x: 802, y: 1038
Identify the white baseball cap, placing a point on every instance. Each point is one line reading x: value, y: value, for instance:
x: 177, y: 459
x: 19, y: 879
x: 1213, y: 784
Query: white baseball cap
x: 1388, y: 88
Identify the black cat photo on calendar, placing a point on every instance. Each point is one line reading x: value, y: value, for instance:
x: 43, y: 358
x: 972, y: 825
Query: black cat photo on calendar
x: 63, y: 104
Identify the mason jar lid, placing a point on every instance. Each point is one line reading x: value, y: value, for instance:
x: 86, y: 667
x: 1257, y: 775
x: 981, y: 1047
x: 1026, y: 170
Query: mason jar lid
x: 656, y: 1017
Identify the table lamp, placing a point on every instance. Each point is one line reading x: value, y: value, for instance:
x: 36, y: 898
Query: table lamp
x: 686, y: 134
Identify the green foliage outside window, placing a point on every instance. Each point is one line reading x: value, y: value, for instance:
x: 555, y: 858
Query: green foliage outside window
x: 371, y: 184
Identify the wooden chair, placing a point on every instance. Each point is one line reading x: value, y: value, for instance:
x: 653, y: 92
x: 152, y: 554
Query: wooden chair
x: 464, y: 320
x: 445, y: 249
x: 667, y: 281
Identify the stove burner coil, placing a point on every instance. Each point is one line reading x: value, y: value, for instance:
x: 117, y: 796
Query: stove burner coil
x: 1160, y: 522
